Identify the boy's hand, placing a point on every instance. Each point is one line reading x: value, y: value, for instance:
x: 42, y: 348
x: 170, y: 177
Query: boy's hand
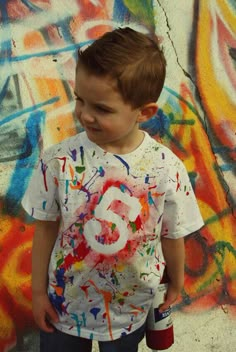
x: 174, y: 254
x: 44, y: 312
x: 170, y: 298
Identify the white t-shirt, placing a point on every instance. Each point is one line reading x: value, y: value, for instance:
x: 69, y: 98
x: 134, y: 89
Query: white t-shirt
x: 107, y: 260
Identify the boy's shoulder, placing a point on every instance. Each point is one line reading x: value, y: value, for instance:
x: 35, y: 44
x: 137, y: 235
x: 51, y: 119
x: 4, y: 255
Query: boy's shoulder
x: 162, y: 151
x: 68, y: 145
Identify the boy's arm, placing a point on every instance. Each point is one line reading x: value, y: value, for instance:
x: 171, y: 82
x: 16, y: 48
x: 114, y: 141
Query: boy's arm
x: 174, y: 254
x: 44, y: 238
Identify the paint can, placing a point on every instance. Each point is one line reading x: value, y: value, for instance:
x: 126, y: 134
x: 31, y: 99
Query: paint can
x: 159, y: 331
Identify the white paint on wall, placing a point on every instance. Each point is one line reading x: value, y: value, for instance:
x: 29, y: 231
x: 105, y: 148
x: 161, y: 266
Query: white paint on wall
x: 213, y: 331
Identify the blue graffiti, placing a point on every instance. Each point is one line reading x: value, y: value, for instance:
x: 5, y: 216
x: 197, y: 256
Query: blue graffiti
x: 25, y: 164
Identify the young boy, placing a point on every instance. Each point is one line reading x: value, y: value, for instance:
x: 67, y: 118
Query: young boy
x: 112, y: 206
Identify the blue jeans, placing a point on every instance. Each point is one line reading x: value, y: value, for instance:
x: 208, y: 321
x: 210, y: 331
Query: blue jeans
x: 61, y: 342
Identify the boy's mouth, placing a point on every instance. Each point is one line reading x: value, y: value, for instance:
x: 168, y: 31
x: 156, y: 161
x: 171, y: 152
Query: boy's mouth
x: 93, y: 129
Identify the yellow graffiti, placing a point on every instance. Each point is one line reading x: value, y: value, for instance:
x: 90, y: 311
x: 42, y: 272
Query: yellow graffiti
x: 218, y: 101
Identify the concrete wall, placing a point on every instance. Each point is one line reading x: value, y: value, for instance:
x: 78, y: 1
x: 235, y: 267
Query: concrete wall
x: 196, y: 119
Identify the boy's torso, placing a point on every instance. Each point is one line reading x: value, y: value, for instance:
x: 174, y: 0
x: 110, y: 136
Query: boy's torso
x: 107, y: 260
x: 108, y: 249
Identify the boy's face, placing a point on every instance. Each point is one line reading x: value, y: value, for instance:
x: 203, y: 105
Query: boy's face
x: 107, y: 120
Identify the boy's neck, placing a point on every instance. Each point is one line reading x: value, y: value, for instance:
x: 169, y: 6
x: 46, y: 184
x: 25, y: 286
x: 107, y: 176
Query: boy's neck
x: 129, y: 146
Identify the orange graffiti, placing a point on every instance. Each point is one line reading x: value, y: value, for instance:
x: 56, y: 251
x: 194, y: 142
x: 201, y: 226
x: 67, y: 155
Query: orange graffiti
x: 15, y: 279
x: 210, y: 257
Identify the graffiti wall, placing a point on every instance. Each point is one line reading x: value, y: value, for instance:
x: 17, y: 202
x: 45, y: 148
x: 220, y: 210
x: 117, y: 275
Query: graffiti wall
x: 196, y: 119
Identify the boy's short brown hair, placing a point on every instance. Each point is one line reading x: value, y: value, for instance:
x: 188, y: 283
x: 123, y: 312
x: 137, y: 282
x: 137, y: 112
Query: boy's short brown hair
x: 133, y: 59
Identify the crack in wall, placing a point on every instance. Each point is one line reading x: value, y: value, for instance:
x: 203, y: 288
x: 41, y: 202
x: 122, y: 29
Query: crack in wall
x: 173, y: 45
x: 224, y: 183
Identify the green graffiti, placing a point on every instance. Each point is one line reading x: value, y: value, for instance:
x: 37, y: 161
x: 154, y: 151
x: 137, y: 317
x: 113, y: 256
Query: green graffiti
x: 142, y: 10
x: 221, y: 249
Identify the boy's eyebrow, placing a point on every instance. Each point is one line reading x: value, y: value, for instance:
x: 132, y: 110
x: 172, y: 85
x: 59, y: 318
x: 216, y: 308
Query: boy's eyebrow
x: 104, y: 106
x: 101, y: 105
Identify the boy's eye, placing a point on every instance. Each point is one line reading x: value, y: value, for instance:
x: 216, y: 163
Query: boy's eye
x: 102, y: 109
x: 78, y: 99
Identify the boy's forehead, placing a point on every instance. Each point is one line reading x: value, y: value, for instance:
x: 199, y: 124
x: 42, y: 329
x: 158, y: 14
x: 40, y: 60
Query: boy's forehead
x: 84, y: 76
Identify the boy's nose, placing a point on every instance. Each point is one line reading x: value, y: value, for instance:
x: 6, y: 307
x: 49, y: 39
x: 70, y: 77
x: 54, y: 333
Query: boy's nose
x: 84, y: 114
x: 87, y: 116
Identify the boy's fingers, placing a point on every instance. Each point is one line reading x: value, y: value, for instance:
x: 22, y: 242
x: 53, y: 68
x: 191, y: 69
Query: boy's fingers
x: 44, y: 321
x: 164, y: 306
x: 168, y: 302
x: 44, y: 324
x: 47, y: 327
x: 52, y: 314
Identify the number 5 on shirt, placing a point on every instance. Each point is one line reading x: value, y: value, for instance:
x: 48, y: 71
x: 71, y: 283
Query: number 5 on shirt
x: 92, y: 227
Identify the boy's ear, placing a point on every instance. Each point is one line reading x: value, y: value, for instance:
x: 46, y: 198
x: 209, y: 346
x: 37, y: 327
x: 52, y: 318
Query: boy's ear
x: 147, y: 111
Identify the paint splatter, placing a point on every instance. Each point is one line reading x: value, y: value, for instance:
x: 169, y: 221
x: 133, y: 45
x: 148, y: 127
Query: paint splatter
x: 95, y: 312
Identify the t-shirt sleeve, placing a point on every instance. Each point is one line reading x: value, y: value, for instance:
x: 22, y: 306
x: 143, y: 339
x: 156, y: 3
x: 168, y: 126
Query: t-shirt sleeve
x: 41, y: 198
x: 181, y: 214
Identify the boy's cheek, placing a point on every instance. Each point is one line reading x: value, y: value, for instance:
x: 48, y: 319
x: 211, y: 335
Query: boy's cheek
x: 78, y: 115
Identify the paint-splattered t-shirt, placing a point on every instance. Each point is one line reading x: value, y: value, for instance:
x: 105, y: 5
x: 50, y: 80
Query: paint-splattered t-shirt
x: 107, y: 260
